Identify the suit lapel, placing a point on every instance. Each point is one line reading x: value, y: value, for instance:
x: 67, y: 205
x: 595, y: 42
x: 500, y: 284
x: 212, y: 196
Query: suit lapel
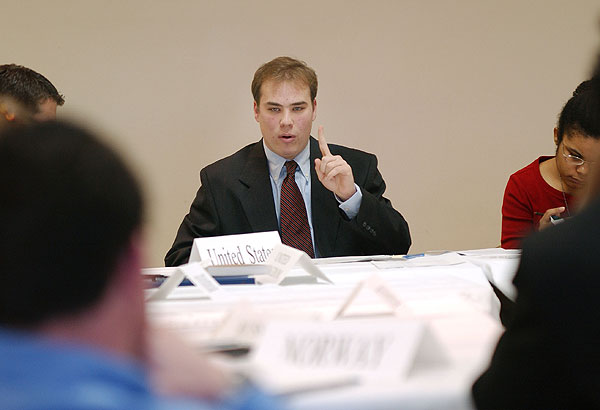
x: 255, y: 192
x: 325, y: 209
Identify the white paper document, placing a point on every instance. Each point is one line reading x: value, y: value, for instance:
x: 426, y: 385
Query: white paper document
x: 492, y: 253
x: 421, y: 260
x: 500, y: 272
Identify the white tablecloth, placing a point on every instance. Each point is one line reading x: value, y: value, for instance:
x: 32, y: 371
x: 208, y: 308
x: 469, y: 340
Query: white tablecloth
x: 455, y: 301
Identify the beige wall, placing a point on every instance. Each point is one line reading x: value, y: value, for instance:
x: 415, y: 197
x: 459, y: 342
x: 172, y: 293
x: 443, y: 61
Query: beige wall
x: 452, y: 96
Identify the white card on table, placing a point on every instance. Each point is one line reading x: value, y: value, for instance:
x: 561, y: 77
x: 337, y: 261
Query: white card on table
x: 243, y: 249
x: 370, y: 348
x: 377, y: 286
x: 196, y: 274
x: 283, y: 259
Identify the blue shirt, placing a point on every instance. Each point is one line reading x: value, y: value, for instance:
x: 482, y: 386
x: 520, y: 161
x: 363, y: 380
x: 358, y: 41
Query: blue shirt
x: 36, y: 373
x: 278, y: 172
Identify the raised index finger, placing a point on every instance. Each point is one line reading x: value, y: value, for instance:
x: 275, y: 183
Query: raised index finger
x: 322, y: 143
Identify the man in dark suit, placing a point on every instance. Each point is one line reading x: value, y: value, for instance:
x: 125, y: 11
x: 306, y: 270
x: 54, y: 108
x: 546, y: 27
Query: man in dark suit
x: 345, y: 210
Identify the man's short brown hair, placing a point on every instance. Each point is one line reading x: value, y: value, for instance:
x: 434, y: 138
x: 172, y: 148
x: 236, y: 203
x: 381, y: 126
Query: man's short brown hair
x: 285, y: 69
x: 27, y: 87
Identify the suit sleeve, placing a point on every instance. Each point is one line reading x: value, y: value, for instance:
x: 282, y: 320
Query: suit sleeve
x: 202, y: 220
x: 383, y: 229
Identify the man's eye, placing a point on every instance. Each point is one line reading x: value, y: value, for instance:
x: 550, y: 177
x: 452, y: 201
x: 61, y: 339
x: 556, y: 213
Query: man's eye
x: 298, y: 108
x: 274, y: 109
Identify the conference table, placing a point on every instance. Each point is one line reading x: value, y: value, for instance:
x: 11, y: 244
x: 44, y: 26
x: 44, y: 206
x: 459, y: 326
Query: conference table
x: 437, y: 312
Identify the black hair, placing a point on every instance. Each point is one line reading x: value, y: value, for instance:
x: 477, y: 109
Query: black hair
x: 27, y: 86
x: 582, y: 112
x: 68, y: 209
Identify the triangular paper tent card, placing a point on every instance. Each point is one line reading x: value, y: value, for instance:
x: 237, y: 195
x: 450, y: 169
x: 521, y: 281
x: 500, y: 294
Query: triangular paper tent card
x: 195, y: 273
x: 282, y: 260
x: 371, y: 296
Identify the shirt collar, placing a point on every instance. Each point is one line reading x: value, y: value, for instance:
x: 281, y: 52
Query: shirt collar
x: 276, y: 167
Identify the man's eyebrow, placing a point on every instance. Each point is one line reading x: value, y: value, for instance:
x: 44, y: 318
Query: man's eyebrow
x: 274, y: 104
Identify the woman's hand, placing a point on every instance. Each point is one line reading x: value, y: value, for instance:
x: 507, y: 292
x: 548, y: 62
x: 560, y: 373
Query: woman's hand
x: 545, y: 219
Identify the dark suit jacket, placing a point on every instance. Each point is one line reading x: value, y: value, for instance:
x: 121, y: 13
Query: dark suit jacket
x: 549, y: 356
x: 235, y: 197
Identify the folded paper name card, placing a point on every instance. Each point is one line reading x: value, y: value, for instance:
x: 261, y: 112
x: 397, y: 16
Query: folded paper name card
x: 243, y: 249
x: 204, y: 283
x: 282, y: 260
x: 368, y: 348
x: 241, y: 325
x: 371, y: 296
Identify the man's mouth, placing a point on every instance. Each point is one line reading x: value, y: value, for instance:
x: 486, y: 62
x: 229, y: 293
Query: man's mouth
x: 286, y: 137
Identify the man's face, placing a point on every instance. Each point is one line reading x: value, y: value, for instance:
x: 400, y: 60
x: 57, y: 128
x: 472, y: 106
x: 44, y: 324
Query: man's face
x: 46, y: 110
x: 285, y: 114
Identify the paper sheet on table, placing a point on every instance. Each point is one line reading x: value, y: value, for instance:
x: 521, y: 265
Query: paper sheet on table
x: 446, y: 259
x: 492, y: 253
x: 168, y: 271
x: 350, y: 259
x: 500, y: 272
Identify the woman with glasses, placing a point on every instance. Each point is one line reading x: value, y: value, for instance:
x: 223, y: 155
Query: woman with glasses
x: 547, y: 190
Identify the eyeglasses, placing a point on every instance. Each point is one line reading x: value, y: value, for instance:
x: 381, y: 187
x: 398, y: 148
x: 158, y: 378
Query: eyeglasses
x: 574, y: 159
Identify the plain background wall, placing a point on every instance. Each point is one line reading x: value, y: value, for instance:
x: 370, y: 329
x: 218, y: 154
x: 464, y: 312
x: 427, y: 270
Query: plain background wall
x: 452, y: 96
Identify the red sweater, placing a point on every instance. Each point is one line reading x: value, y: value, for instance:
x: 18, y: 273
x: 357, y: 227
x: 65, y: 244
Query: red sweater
x: 527, y: 193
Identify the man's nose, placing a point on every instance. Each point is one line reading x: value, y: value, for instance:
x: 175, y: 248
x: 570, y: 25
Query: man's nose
x: 286, y: 119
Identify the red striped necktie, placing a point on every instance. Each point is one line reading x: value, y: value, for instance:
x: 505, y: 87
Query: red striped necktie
x: 295, y: 231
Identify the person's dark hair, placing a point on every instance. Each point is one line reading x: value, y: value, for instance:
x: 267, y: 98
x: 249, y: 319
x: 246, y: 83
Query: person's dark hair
x: 581, y: 113
x: 26, y: 86
x: 68, y: 209
x: 284, y: 69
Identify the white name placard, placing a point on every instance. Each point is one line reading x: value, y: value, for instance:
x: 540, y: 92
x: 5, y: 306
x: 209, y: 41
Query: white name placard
x: 368, y: 348
x: 243, y: 249
x: 283, y: 259
x: 374, y: 284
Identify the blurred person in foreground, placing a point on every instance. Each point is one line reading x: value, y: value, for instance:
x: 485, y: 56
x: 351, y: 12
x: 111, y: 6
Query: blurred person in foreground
x: 324, y: 199
x: 549, y: 357
x: 34, y: 93
x: 73, y: 332
x: 551, y: 186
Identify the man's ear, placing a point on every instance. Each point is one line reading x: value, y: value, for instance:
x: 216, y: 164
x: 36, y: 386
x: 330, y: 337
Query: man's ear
x: 255, y: 111
x: 314, y: 104
x: 7, y: 113
x: 556, y: 136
